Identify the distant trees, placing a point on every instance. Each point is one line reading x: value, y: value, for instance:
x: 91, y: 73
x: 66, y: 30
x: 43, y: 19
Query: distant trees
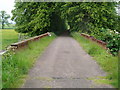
x: 4, y: 18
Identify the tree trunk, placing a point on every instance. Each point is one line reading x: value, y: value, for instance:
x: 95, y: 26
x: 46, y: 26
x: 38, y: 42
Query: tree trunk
x: 2, y: 25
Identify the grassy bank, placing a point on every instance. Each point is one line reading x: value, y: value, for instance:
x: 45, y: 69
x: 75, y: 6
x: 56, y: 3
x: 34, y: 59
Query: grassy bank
x: 15, y: 67
x: 8, y: 37
x: 108, y: 62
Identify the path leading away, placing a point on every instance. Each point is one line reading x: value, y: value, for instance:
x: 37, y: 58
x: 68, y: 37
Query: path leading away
x: 64, y: 64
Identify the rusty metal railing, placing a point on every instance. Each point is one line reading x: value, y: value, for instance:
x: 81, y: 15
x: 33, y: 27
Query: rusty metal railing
x: 24, y: 43
x: 101, y: 43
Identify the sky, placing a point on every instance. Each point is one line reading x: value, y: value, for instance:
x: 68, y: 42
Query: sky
x: 7, y: 5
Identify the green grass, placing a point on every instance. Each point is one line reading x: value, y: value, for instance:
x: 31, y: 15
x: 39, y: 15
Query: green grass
x: 108, y: 62
x: 8, y: 36
x: 16, y: 67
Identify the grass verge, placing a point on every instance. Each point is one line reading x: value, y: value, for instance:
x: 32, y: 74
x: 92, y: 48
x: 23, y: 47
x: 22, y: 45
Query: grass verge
x: 16, y: 67
x: 108, y: 62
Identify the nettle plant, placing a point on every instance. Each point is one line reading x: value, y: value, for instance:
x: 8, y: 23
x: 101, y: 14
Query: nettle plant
x: 112, y: 38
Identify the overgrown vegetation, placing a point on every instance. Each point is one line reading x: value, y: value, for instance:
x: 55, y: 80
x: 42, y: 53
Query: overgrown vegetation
x: 108, y: 62
x: 8, y: 37
x: 16, y: 66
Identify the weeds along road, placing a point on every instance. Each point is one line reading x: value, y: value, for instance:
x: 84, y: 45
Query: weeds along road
x: 64, y: 64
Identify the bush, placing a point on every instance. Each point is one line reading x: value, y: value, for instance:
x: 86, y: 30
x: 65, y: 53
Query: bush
x: 111, y: 37
x: 113, y: 42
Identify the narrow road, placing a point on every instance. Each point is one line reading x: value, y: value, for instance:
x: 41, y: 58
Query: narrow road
x: 64, y: 64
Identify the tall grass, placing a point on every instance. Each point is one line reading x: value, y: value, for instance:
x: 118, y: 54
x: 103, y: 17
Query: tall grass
x: 15, y: 67
x: 108, y: 62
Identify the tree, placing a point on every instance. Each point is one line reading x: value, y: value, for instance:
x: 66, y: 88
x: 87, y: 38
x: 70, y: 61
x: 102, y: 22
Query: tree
x: 4, y: 18
x: 90, y: 17
x: 36, y: 18
x: 39, y: 17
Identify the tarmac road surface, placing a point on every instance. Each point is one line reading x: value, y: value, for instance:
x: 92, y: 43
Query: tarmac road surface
x: 64, y: 64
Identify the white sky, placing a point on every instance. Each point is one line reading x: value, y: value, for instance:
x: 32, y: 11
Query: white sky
x: 7, y: 5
